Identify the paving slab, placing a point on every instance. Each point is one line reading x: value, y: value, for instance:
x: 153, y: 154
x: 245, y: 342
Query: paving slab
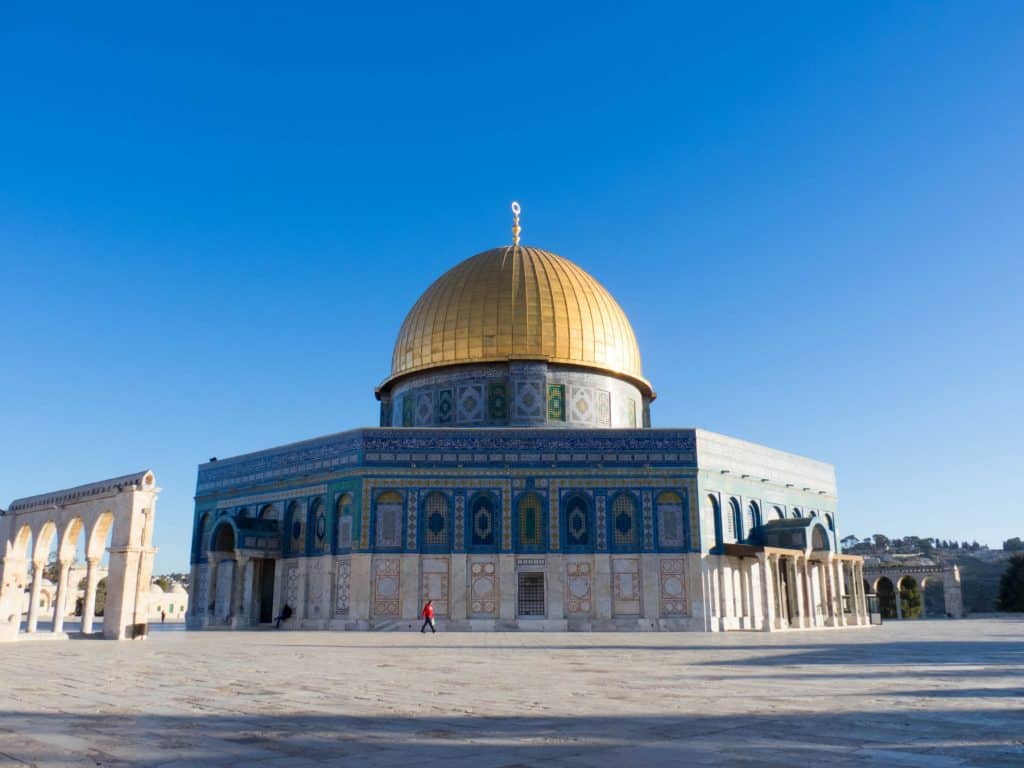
x: 940, y: 694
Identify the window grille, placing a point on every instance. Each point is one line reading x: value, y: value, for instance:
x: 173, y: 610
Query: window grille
x: 624, y: 520
x: 670, y: 519
x: 531, y: 594
x: 435, y: 513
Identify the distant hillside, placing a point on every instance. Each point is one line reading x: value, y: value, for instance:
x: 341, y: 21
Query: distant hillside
x: 980, y: 567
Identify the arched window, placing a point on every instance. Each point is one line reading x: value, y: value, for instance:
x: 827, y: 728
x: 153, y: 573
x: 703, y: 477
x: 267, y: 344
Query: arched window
x: 243, y: 512
x: 624, y: 523
x: 483, y: 521
x: 268, y: 512
x: 531, y: 522
x: 435, y: 523
x: 779, y: 514
x: 753, y: 519
x: 797, y: 512
x: 735, y: 520
x: 390, y: 508
x: 577, y: 522
x: 318, y: 524
x: 296, y: 533
x: 830, y: 523
x: 716, y: 513
x: 819, y: 539
x: 343, y: 522
x: 670, y: 519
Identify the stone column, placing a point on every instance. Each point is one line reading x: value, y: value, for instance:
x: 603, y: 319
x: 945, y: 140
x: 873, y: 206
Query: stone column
x: 767, y: 592
x: 33, y: 602
x: 92, y: 579
x: 62, y: 596
x: 242, y: 615
x: 899, y: 602
x: 211, y: 590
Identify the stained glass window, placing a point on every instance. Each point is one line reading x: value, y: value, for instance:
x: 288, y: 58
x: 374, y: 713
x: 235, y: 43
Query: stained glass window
x: 531, y: 531
x: 482, y: 521
x: 343, y: 510
x: 390, y: 507
x: 624, y: 521
x: 435, y: 520
x: 670, y: 519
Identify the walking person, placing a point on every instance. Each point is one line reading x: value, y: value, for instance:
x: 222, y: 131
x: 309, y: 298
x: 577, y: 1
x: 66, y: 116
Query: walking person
x: 428, y: 617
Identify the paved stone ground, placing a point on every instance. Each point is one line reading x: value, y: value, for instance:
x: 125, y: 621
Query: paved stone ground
x: 928, y: 693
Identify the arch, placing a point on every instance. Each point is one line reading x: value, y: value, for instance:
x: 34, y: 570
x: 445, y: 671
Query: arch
x: 295, y: 531
x: 753, y: 519
x: 22, y: 545
x: 317, y: 525
x: 578, y: 516
x: 797, y: 512
x: 670, y: 519
x: 269, y: 512
x: 98, y: 536
x: 933, y: 590
x: 223, y: 539
x: 43, y: 541
x: 779, y: 513
x: 886, y: 597
x: 716, y: 512
x: 830, y: 522
x: 735, y: 519
x: 530, y: 517
x: 483, y: 521
x: 625, y: 534
x: 389, y: 511
x: 819, y: 538
x: 435, y: 522
x: 343, y: 523
x: 242, y: 513
x: 69, y: 539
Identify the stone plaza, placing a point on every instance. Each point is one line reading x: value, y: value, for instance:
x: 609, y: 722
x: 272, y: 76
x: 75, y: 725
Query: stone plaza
x: 923, y: 693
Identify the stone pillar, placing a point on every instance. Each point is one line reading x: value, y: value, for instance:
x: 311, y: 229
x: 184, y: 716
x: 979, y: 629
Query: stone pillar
x: 458, y: 587
x: 650, y: 588
x: 507, y: 593
x: 359, y: 587
x: 899, y: 601
x: 952, y: 593
x: 555, y: 581
x: 89, y: 604
x: 798, y: 593
x: 243, y: 592
x: 602, y: 586
x: 211, y: 590
x: 33, y: 602
x: 62, y: 596
x: 767, y: 592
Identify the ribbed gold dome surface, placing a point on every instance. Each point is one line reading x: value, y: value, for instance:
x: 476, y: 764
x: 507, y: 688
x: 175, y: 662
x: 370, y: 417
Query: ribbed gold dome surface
x: 517, y: 303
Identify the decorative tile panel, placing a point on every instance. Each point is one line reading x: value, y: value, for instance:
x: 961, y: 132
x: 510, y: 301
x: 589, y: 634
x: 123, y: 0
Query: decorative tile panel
x: 670, y: 520
x: 434, y: 583
x: 460, y: 521
x: 408, y: 409
x: 291, y: 585
x: 424, y: 408
x: 626, y: 586
x: 648, y: 522
x: 471, y: 403
x: 411, y: 515
x: 497, y: 400
x: 581, y: 405
x: 556, y: 402
x: 386, y: 582
x: 483, y: 588
x: 603, y: 403
x: 529, y: 400
x: 673, y: 587
x: 342, y: 585
x: 445, y: 406
x: 600, y: 504
x: 578, y: 588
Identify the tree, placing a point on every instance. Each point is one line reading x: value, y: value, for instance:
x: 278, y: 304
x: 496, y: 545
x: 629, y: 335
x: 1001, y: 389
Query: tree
x: 911, y: 600
x: 164, y: 582
x: 1011, y: 586
x: 881, y: 541
x: 1014, y: 545
x: 51, y: 571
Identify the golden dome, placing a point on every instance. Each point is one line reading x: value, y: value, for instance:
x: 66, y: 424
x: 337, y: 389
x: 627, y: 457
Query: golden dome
x: 517, y: 303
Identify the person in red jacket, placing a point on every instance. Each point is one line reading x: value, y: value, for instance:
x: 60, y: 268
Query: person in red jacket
x: 428, y: 617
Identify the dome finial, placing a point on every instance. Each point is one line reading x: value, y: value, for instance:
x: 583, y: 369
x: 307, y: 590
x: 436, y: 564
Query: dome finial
x: 516, y: 229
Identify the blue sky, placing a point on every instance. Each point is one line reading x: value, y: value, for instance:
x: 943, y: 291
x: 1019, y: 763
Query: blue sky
x: 212, y: 222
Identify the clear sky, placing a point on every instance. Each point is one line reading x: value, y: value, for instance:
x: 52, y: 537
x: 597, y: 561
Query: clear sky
x: 213, y: 220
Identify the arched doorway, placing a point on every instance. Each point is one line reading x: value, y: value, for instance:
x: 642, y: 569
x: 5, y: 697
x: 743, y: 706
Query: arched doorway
x: 222, y: 552
x: 934, y: 597
x: 886, y: 597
